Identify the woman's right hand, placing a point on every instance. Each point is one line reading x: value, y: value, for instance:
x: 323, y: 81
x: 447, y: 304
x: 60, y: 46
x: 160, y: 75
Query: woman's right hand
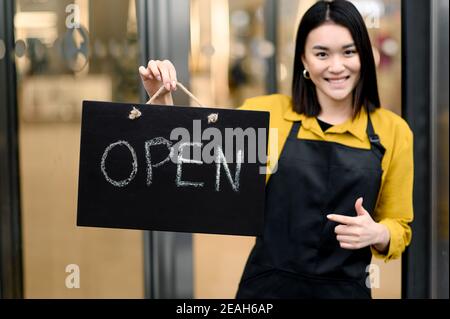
x: 156, y: 74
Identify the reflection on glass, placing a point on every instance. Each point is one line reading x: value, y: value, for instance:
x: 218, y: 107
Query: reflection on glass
x: 2, y: 49
x: 228, y: 51
x: 67, y: 52
x: 289, y: 16
x: 384, y: 23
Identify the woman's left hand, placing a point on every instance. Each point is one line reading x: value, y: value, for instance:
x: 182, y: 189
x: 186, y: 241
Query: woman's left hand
x: 360, y: 231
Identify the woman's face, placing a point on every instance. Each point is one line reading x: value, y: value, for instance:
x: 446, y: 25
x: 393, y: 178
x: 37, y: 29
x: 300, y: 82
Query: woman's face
x: 332, y: 62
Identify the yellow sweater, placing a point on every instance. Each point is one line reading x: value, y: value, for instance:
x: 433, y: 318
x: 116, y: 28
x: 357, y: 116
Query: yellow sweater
x: 394, y: 206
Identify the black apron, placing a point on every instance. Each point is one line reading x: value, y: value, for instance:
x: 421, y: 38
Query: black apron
x: 298, y: 255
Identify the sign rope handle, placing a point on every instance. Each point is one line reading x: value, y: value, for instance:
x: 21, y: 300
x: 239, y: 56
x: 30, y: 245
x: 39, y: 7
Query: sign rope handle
x: 162, y: 88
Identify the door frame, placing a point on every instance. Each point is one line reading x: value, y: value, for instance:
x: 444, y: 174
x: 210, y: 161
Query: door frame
x: 11, y: 266
x: 168, y: 257
x: 416, y: 100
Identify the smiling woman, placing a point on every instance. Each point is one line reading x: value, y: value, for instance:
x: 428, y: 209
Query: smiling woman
x: 334, y: 67
x: 336, y: 53
x: 340, y: 195
x: 330, y: 208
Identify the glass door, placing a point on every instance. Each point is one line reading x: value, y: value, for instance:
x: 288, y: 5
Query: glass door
x: 69, y: 51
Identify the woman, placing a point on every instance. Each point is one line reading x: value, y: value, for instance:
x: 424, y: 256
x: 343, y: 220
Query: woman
x: 343, y: 188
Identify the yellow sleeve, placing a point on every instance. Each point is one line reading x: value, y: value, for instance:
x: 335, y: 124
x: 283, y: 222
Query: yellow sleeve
x: 270, y: 103
x: 248, y: 103
x: 276, y: 105
x: 395, y: 204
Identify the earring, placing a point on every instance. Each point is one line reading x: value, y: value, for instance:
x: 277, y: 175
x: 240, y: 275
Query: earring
x: 306, y: 74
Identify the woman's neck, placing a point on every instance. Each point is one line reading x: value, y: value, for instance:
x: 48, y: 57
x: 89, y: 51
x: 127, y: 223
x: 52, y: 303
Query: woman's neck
x: 335, y: 112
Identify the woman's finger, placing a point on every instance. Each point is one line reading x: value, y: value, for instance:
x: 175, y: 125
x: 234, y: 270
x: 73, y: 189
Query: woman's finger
x: 345, y: 230
x: 153, y: 67
x: 346, y: 239
x: 342, y: 219
x: 172, y: 74
x: 348, y: 246
x: 164, y: 74
x: 145, y: 73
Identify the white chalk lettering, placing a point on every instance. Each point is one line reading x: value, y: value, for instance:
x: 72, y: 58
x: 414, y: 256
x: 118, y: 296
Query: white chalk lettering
x: 182, y: 135
x: 179, y: 151
x: 181, y: 160
x: 221, y: 160
x: 124, y: 182
x: 153, y: 142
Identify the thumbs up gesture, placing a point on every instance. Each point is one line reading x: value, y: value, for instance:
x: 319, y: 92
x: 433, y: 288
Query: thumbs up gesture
x: 360, y: 231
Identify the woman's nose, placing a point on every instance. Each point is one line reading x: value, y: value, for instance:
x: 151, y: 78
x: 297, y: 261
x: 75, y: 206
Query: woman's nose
x: 336, y: 65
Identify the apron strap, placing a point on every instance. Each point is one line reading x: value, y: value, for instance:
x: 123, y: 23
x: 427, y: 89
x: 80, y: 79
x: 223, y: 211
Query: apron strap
x: 374, y: 139
x: 293, y: 133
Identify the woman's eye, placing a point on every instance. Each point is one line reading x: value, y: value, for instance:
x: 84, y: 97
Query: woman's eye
x: 321, y: 54
x: 350, y: 52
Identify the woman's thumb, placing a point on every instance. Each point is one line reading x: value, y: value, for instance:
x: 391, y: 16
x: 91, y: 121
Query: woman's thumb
x: 359, y: 207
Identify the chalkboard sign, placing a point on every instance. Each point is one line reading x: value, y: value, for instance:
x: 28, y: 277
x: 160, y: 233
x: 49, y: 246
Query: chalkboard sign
x: 172, y: 168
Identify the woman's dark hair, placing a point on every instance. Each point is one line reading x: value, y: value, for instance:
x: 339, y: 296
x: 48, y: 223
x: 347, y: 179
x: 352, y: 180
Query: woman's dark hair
x: 343, y: 13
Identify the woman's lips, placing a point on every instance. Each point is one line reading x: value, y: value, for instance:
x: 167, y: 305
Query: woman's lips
x: 338, y: 83
x: 337, y: 80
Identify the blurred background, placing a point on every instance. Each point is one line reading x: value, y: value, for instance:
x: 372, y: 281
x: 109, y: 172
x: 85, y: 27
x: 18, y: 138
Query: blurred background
x: 56, y: 53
